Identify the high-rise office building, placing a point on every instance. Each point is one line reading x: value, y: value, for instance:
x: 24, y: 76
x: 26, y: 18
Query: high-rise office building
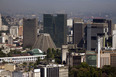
x: 78, y: 33
x: 0, y: 22
x: 108, y: 21
x: 110, y: 27
x: 56, y: 26
x: 70, y: 31
x: 29, y: 32
x: 95, y: 29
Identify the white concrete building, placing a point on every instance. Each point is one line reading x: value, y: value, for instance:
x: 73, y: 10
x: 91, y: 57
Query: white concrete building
x: 114, y: 39
x: 64, y: 53
x: 36, y: 73
x: 70, y: 22
x: 10, y: 40
x: 3, y: 38
x: 14, y: 31
x: 21, y: 59
x: 4, y: 28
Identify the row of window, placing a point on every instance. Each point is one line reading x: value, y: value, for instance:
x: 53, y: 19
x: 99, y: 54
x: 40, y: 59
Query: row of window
x: 20, y: 59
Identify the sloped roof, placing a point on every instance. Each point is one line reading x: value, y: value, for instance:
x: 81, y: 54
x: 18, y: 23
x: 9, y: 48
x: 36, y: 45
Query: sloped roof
x: 43, y: 42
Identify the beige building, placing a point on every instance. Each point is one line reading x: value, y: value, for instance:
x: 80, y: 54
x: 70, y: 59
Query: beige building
x: 75, y: 59
x: 4, y: 27
x: 1, y: 66
x: 9, y: 67
x: 63, y: 72
x: 4, y: 73
x: 108, y: 57
x: 20, y: 33
x: 113, y: 60
x: 104, y: 59
x: 65, y: 51
x: 36, y: 73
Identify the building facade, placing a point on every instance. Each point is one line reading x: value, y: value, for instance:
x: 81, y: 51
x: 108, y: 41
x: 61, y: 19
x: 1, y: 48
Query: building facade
x: 14, y: 31
x: 20, y: 33
x: 56, y: 26
x: 43, y: 42
x: 114, y: 39
x: 50, y: 72
x: 95, y: 29
x: 21, y: 59
x: 54, y: 71
x: 91, y: 58
x: 78, y: 34
x: 29, y: 32
x: 75, y: 59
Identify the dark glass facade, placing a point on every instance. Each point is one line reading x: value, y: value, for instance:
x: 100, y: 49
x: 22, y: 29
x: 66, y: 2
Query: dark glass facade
x: 113, y: 60
x: 78, y: 34
x: 56, y: 26
x: 91, y: 58
x: 76, y: 60
x: 50, y: 72
x: 29, y: 32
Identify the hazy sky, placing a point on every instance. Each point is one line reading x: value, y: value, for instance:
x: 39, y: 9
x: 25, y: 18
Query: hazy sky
x: 53, y: 5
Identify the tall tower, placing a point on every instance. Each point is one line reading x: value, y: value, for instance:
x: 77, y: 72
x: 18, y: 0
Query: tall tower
x: 78, y: 33
x: 0, y: 22
x: 29, y: 32
x: 98, y: 62
x: 56, y: 26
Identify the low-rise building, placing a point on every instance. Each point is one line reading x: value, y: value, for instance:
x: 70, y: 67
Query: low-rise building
x: 4, y: 73
x: 63, y: 72
x: 91, y: 58
x: 108, y: 57
x: 21, y: 59
x: 36, y: 73
x: 10, y: 67
x: 54, y: 71
x: 65, y: 51
x: 74, y: 59
x: 17, y: 74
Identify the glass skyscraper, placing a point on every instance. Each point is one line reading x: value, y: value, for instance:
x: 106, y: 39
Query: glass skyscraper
x: 56, y: 26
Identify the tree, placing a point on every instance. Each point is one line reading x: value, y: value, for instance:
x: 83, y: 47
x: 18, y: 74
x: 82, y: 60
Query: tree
x: 38, y: 61
x: 13, y: 52
x: 2, y: 54
x: 49, y: 53
x: 84, y: 70
x: 24, y: 64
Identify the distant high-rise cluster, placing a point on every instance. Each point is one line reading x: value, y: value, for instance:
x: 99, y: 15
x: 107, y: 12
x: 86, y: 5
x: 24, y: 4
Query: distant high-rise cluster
x: 31, y: 39
x: 57, y: 39
x: 85, y: 35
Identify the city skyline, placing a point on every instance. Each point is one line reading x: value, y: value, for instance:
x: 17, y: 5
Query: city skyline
x: 24, y: 6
